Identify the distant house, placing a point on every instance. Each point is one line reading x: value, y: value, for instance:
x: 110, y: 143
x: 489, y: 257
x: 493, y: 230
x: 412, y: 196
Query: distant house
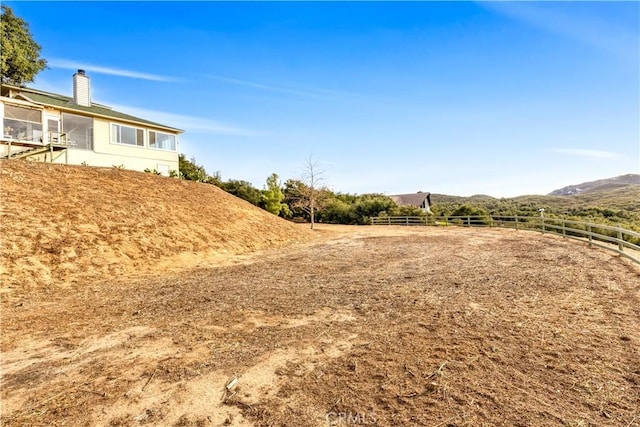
x: 420, y: 200
x: 55, y: 128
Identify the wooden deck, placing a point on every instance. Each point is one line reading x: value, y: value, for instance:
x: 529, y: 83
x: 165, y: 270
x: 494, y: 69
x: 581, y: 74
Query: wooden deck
x: 21, y: 148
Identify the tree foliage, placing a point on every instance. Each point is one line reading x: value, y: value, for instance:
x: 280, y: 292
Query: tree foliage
x: 370, y: 205
x: 272, y: 195
x: 294, y: 191
x: 469, y: 210
x: 338, y: 211
x: 359, y: 209
x: 243, y: 190
x: 20, y: 59
x: 190, y: 170
x: 304, y: 201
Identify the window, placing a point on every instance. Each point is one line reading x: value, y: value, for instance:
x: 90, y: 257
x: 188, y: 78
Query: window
x: 22, y: 123
x: 162, y: 141
x: 121, y: 134
x: 79, y: 131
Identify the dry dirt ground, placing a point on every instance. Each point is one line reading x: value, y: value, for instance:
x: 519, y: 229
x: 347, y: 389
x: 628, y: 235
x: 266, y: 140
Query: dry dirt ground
x: 359, y: 326
x: 383, y: 326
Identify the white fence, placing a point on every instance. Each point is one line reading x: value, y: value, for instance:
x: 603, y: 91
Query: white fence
x: 625, y: 242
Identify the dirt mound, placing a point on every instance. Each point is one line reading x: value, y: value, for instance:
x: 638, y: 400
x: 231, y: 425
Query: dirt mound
x: 62, y: 224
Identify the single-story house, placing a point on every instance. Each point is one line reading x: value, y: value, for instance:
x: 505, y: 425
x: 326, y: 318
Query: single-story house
x: 45, y: 126
x: 420, y: 200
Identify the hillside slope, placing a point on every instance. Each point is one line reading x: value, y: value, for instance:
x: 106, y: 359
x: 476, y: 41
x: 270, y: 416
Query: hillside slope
x: 64, y: 223
x: 599, y: 185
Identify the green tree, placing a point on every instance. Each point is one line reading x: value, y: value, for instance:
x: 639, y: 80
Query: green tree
x: 20, y: 59
x: 338, y: 211
x: 469, y: 210
x: 190, y: 170
x: 215, y: 179
x: 272, y: 196
x: 369, y: 205
x: 299, y: 196
x: 243, y: 190
x: 407, y: 211
x: 293, y: 190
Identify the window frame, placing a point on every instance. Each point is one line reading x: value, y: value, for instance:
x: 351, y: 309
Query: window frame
x: 175, y: 141
x: 136, y: 128
x: 79, y: 116
x: 34, y: 128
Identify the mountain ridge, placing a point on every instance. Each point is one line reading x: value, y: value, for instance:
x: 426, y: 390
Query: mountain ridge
x: 598, y: 185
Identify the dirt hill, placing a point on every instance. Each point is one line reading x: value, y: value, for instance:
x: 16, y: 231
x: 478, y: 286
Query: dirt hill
x: 63, y: 223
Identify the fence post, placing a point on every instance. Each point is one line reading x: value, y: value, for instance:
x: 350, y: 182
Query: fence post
x: 468, y: 221
x: 590, y: 236
x: 517, y: 222
x: 406, y: 218
x: 620, y: 245
x: 389, y: 219
x: 564, y: 229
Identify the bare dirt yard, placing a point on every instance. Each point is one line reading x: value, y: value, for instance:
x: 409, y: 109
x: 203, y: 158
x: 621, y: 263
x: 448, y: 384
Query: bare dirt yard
x: 130, y: 299
x: 357, y: 326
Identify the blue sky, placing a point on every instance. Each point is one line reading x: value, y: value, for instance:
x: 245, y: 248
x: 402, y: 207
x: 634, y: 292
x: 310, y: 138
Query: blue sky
x: 498, y: 98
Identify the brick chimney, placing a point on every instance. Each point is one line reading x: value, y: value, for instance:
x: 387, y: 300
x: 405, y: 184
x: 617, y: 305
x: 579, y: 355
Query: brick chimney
x: 81, y: 95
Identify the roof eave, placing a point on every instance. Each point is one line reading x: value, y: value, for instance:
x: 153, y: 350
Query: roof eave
x: 114, y: 119
x: 92, y: 113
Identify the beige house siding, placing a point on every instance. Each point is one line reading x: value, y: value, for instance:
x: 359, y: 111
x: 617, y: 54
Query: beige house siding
x: 108, y: 154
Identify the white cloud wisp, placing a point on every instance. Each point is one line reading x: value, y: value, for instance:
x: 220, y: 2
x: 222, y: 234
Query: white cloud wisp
x: 594, y: 31
x: 599, y: 154
x: 77, y: 65
x: 303, y: 92
x: 185, y: 122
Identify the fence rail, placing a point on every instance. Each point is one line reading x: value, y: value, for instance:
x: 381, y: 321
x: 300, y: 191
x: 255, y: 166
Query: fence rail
x: 624, y: 242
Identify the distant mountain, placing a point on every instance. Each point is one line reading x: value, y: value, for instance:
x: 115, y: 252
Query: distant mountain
x: 600, y: 185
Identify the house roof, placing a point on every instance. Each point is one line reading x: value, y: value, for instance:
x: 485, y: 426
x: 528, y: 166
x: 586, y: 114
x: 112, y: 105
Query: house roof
x: 413, y: 199
x: 66, y: 103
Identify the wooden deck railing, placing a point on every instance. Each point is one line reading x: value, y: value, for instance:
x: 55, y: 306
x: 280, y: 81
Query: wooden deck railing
x: 21, y: 148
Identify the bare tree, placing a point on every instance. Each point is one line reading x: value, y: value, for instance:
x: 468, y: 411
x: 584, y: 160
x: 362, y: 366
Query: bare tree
x: 313, y: 178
